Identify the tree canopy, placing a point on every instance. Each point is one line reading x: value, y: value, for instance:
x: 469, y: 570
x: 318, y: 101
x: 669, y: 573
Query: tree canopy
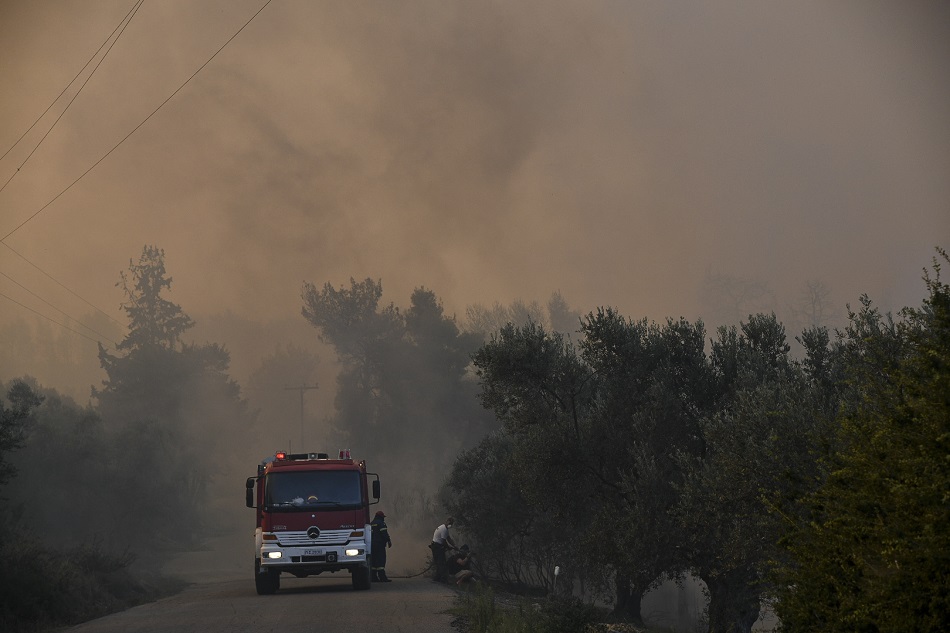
x: 820, y: 483
x: 402, y: 393
x: 872, y: 551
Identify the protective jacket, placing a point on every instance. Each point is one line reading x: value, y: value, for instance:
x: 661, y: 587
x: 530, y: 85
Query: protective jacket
x: 381, y: 540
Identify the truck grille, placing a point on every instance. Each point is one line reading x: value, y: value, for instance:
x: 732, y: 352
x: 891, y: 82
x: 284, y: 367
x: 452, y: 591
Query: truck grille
x: 300, y: 539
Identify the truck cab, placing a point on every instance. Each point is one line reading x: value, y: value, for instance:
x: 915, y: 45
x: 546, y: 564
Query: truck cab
x: 312, y: 517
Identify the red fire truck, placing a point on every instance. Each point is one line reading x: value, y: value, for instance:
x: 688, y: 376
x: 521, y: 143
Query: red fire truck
x: 312, y: 517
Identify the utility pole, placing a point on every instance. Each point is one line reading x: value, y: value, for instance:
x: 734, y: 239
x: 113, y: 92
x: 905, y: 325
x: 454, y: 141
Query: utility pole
x: 301, y: 389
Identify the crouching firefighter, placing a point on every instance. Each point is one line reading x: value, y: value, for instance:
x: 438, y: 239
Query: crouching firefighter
x: 381, y: 541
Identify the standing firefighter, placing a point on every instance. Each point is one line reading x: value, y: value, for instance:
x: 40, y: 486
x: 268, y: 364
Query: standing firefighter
x: 381, y: 541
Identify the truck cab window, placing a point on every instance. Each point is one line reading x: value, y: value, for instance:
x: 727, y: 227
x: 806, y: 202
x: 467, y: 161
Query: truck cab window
x: 312, y: 490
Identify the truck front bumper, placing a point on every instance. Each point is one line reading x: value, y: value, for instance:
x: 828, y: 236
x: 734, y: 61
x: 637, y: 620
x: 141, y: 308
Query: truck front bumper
x: 300, y: 554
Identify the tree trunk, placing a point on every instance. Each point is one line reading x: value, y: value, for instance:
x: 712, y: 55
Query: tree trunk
x: 627, y: 604
x: 733, y: 602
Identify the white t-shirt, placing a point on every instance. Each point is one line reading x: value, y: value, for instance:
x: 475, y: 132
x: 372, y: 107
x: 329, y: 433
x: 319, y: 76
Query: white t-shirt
x: 441, y: 533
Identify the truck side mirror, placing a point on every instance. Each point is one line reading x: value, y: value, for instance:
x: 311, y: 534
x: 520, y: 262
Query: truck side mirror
x: 249, y: 485
x: 375, y: 489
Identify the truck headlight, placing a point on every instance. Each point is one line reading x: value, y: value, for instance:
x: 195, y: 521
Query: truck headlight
x: 353, y: 552
x: 274, y: 554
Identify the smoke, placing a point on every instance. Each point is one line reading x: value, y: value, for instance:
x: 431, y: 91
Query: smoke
x: 618, y: 152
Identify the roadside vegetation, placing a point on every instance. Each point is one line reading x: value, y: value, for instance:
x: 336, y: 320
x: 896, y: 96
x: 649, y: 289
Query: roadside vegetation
x: 630, y: 453
x: 55, y: 587
x: 96, y: 497
x: 618, y: 451
x: 482, y: 610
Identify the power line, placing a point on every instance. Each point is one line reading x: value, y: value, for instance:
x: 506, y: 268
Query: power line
x: 49, y: 319
x: 89, y: 61
x: 136, y: 128
x: 63, y: 286
x: 18, y: 227
x: 116, y: 34
x: 57, y: 309
x: 75, y: 96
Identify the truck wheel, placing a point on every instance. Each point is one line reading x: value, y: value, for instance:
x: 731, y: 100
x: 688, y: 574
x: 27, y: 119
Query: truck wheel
x: 360, y: 578
x: 267, y: 582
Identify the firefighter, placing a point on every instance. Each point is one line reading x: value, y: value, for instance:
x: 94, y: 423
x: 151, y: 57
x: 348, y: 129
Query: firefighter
x: 381, y: 541
x: 441, y: 543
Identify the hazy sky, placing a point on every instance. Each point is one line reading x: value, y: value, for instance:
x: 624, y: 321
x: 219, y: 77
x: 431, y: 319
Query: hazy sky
x: 615, y: 151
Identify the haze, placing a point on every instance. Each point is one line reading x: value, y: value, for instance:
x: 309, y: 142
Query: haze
x: 617, y: 152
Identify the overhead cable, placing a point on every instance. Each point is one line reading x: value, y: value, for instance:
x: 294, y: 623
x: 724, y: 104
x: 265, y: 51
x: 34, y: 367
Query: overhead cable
x: 63, y: 312
x: 73, y: 80
x: 126, y: 21
x: 60, y: 284
x: 136, y: 128
x: 49, y: 319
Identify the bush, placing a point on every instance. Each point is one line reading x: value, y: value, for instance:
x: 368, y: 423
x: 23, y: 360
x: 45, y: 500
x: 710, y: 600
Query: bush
x: 481, y: 613
x: 566, y: 616
x: 47, y: 588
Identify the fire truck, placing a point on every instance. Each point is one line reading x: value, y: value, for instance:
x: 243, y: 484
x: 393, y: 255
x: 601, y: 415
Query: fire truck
x: 312, y: 517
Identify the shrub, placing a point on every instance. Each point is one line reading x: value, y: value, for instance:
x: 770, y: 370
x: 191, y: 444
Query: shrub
x: 47, y: 588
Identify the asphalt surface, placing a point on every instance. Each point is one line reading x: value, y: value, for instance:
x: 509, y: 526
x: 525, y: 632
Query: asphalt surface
x: 318, y: 604
x: 221, y: 598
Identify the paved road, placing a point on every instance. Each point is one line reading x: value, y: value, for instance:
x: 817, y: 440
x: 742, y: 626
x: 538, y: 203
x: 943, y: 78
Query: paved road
x: 317, y: 604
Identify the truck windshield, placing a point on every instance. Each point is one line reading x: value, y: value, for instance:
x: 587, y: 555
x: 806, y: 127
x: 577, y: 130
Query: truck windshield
x: 310, y: 490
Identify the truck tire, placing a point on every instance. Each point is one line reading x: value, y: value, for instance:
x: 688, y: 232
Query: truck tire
x: 361, y: 578
x: 267, y: 582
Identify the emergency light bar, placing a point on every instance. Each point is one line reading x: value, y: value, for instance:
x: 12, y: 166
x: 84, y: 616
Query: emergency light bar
x: 282, y: 455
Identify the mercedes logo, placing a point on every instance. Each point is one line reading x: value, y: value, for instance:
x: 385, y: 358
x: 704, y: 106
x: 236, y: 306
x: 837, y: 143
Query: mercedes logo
x: 313, y: 532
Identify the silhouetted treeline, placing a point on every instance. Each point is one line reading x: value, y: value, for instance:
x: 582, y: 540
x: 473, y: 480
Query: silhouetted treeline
x: 126, y: 478
x: 404, y: 397
x: 621, y: 451
x: 638, y: 452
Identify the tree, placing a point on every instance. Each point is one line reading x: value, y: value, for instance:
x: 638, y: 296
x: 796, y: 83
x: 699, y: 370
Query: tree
x: 403, y: 394
x: 153, y: 320
x: 167, y: 404
x: 62, y: 463
x: 728, y: 299
x: 14, y: 416
x: 814, y: 304
x: 518, y: 536
x: 759, y: 454
x: 595, y: 429
x: 561, y: 316
x: 351, y: 319
x: 540, y: 390
x: 654, y: 383
x: 148, y: 360
x: 758, y: 451
x: 872, y: 552
x: 556, y: 315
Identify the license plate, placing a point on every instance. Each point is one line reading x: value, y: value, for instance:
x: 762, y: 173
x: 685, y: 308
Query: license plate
x: 313, y: 552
